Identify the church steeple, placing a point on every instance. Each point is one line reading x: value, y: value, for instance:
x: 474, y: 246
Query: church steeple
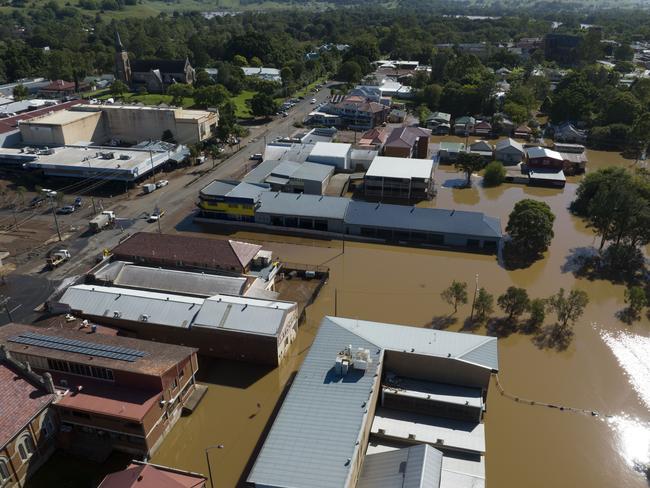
x: 122, y: 64
x: 118, y: 42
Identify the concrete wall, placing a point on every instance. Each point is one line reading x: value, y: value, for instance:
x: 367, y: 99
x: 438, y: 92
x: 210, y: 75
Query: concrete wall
x: 89, y: 128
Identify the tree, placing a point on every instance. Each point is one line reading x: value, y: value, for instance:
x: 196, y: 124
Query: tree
x: 118, y: 88
x: 623, y: 52
x: 514, y: 302
x: 350, y: 72
x: 210, y: 96
x: 255, y: 62
x: 636, y: 299
x: 537, y: 313
x: 179, y: 91
x: 469, y: 163
x: 202, y: 79
x: 430, y: 96
x: 287, y: 75
x: 239, y: 60
x: 20, y: 92
x: 517, y: 113
x: 567, y: 308
x: 423, y: 113
x: 483, y: 306
x: 495, y: 174
x: 456, y: 294
x: 530, y: 227
x: 263, y: 105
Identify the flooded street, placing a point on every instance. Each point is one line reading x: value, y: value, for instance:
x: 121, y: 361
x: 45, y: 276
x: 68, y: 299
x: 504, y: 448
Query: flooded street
x: 606, y: 367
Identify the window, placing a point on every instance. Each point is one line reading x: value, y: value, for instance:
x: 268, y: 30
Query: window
x: 25, y: 446
x: 181, y: 374
x: 80, y: 369
x: 174, y: 384
x: 47, y: 425
x: 5, y: 475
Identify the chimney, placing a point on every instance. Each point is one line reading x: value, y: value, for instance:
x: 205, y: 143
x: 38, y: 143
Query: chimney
x: 422, y: 147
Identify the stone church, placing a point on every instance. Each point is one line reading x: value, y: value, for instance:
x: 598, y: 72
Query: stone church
x: 155, y: 76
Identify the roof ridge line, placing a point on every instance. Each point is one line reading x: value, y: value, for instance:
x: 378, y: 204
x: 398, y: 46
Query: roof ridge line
x: 473, y: 348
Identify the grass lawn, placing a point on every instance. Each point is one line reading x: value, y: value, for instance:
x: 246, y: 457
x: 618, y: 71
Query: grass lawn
x: 149, y: 99
x: 242, y: 109
x: 303, y: 92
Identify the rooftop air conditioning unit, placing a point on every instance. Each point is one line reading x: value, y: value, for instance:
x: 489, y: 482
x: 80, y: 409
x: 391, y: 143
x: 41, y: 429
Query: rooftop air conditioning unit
x: 144, y: 317
x: 125, y: 157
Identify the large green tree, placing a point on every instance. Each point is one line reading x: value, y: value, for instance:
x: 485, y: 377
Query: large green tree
x: 530, y: 227
x: 469, y: 163
x: 514, y: 302
x: 263, y: 105
x: 455, y: 294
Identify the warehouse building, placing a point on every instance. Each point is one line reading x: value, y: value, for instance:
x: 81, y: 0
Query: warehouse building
x: 114, y: 393
x: 375, y: 405
x: 291, y: 176
x: 331, y: 153
x: 230, y: 200
x: 129, y: 124
x: 223, y: 326
x: 311, y: 212
x: 402, y: 178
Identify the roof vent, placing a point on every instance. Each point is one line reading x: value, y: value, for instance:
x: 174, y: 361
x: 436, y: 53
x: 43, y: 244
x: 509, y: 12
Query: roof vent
x: 144, y: 317
x: 117, y: 314
x: 452, y: 212
x: 412, y: 437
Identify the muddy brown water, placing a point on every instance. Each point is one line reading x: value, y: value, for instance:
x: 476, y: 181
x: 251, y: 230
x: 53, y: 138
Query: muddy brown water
x: 526, y: 445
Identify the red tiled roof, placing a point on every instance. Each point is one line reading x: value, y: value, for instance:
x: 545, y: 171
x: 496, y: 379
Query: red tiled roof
x: 149, y: 476
x: 11, y: 123
x: 20, y: 401
x: 60, y: 85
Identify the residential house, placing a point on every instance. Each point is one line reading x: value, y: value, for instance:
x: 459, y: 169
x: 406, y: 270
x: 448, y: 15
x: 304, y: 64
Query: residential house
x: 146, y: 475
x: 464, y: 125
x: 401, y: 178
x: 407, y: 142
x: 509, y: 152
x: 60, y: 89
x: 523, y: 132
x: 502, y: 125
x: 179, y: 251
x: 357, y: 113
x: 439, y: 123
x: 567, y: 132
x: 28, y: 424
x: 267, y: 74
x: 396, y: 116
x: 544, y: 158
x: 374, y: 138
x: 117, y: 393
x: 482, y: 128
x: 449, y: 151
x: 369, y: 92
x: 482, y: 148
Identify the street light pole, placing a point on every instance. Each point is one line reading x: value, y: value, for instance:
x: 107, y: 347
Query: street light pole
x: 471, y: 317
x: 153, y: 170
x: 207, y: 458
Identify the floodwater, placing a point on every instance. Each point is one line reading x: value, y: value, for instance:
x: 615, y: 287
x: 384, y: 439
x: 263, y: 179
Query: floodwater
x: 606, y: 368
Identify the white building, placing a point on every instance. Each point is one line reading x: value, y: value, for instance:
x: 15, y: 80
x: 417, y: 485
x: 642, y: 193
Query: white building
x: 332, y: 153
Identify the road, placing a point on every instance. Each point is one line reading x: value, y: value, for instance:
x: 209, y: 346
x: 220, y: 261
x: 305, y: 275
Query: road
x: 178, y: 199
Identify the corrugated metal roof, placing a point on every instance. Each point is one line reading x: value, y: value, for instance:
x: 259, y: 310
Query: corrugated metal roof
x: 302, y: 205
x: 234, y: 189
x: 243, y: 314
x: 505, y: 143
x: 313, y: 172
x: 480, y: 350
x: 261, y: 171
x: 435, y: 220
x: 542, y: 152
x: 313, y: 441
x: 102, y: 301
x: 330, y: 149
x: 179, y: 282
x: 410, y: 467
x: 390, y: 167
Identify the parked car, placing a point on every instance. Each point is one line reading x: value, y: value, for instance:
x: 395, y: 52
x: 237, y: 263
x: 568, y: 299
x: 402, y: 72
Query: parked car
x: 154, y: 217
x: 77, y: 202
x: 161, y: 183
x: 48, y: 193
x: 36, y: 201
x: 313, y: 101
x: 256, y: 157
x: 68, y: 209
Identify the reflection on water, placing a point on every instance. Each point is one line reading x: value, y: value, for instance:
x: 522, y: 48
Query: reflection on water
x: 633, y: 354
x: 633, y: 438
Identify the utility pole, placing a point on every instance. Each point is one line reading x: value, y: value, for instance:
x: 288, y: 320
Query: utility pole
x: 13, y: 210
x: 471, y: 317
x: 153, y: 170
x: 93, y: 202
x: 207, y: 458
x: 56, y: 222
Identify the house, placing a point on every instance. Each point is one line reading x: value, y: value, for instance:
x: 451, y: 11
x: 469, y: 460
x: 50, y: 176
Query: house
x: 502, y: 125
x: 28, y: 423
x: 402, y: 178
x: 482, y: 148
x: 369, y: 92
x: 544, y: 158
x: 146, y: 475
x: 407, y: 142
x: 509, y: 152
x: 396, y: 116
x: 332, y: 154
x: 439, y: 123
x: 503, y: 72
x: 523, y: 132
x: 449, y: 151
x: 550, y: 177
x: 116, y: 393
x: 179, y: 251
x: 153, y: 76
x: 267, y: 74
x: 567, y: 132
x: 374, y: 138
x: 382, y: 405
x: 291, y: 176
x: 60, y: 89
x: 230, y: 200
x: 464, y: 125
x: 482, y: 128
x: 358, y: 113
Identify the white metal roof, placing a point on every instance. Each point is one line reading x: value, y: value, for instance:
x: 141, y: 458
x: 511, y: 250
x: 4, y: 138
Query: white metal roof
x: 330, y: 149
x: 244, y: 314
x: 390, y: 167
x: 410, y: 467
x: 302, y: 205
x: 543, y: 152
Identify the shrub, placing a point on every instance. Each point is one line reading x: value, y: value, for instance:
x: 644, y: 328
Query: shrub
x: 494, y: 175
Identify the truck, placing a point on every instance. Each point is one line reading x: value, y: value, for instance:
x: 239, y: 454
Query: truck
x: 148, y: 188
x: 57, y: 257
x: 103, y: 220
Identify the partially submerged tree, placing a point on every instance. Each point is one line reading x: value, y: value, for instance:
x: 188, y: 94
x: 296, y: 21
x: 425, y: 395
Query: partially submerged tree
x: 455, y: 294
x: 530, y: 227
x: 567, y: 308
x: 636, y: 300
x: 469, y: 163
x: 483, y: 306
x: 514, y: 302
x: 495, y: 174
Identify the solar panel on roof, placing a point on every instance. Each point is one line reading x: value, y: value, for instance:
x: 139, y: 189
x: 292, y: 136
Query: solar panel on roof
x: 78, y: 347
